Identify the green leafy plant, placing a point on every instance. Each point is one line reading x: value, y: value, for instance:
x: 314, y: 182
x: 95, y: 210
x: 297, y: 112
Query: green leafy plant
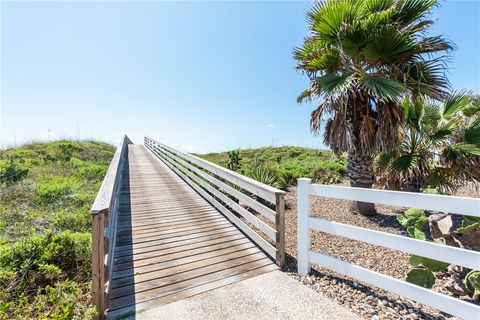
x: 422, y: 273
x: 469, y: 224
x: 234, y: 159
x: 472, y: 283
x: 414, y: 220
x: 12, y: 174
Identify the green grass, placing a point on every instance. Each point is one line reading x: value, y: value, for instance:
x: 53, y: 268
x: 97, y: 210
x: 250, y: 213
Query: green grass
x: 45, y: 228
x: 287, y: 164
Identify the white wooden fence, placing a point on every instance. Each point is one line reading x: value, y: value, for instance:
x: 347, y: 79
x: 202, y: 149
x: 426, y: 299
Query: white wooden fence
x: 457, y: 256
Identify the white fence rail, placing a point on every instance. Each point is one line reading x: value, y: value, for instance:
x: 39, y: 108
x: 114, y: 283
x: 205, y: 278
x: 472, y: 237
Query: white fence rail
x: 457, y: 256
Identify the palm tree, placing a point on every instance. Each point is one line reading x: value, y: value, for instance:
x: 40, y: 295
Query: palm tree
x: 440, y: 146
x: 362, y: 57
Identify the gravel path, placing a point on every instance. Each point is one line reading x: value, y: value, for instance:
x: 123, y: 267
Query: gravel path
x: 368, y: 302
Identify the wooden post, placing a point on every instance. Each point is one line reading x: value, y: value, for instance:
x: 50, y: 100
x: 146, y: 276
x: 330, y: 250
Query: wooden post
x: 303, y: 231
x: 98, y: 264
x: 280, y: 227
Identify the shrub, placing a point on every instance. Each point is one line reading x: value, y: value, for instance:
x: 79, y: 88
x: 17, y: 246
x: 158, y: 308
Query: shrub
x: 76, y: 220
x: 52, y: 188
x: 12, y: 174
x: 92, y: 171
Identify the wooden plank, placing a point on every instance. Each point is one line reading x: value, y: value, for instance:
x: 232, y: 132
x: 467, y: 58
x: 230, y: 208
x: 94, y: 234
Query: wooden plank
x: 173, y: 288
x: 189, y: 292
x: 171, y: 244
x: 160, y: 230
x: 187, y: 258
x: 98, y: 258
x: 155, y: 258
x: 132, y: 248
x: 252, y: 203
x: 262, y: 226
x: 105, y: 194
x: 155, y: 232
x: 262, y: 190
x: 265, y: 245
x: 174, y: 234
x: 160, y: 220
x: 170, y: 240
x: 149, y: 227
x: 193, y: 264
x: 179, y: 248
x: 182, y: 275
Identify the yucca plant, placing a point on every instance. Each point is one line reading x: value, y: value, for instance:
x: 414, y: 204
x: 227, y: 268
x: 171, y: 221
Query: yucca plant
x: 362, y: 57
x: 440, y: 145
x: 265, y: 175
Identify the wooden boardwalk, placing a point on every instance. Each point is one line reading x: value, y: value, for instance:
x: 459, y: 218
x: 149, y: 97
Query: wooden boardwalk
x: 170, y: 242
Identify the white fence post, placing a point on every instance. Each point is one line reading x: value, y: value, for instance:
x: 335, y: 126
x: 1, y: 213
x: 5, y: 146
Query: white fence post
x: 303, y: 232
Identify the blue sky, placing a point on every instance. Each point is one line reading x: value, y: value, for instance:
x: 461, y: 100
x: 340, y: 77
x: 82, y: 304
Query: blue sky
x: 202, y: 76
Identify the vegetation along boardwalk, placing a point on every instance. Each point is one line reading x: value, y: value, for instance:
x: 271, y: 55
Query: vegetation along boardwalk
x: 167, y: 241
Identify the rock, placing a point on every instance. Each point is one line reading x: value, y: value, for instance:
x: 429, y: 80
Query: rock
x: 471, y: 240
x: 441, y: 225
x: 441, y: 228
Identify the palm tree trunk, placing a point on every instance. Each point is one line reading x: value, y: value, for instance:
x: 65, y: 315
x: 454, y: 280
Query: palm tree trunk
x: 360, y: 173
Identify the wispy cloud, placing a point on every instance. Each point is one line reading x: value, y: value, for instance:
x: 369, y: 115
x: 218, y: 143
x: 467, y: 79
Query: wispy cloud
x: 270, y: 126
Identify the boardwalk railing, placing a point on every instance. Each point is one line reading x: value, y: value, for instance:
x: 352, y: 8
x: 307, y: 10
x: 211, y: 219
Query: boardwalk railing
x: 104, y: 214
x: 231, y: 193
x: 457, y: 256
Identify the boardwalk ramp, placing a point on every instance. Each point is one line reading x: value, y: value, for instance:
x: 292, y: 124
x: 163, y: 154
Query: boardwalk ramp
x: 168, y: 226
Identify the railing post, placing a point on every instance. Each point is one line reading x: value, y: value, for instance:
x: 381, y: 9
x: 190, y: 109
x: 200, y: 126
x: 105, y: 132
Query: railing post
x: 303, y: 231
x: 98, y: 264
x: 280, y: 227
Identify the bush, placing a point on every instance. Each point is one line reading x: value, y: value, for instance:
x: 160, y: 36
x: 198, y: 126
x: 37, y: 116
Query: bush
x: 68, y: 251
x: 75, y: 220
x: 44, y: 275
x: 53, y: 188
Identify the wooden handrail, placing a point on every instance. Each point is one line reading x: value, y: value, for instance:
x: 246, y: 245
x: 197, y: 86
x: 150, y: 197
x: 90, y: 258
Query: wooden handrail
x: 206, y: 178
x: 103, y: 228
x: 259, y: 189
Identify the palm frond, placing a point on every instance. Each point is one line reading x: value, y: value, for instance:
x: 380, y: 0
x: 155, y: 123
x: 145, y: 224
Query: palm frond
x: 316, y: 117
x: 389, y: 45
x: 339, y: 134
x: 333, y: 84
x: 434, y: 44
x: 472, y: 132
x: 427, y: 78
x: 389, y: 120
x: 454, y: 104
x: 471, y: 149
x: 410, y: 11
x: 367, y: 134
x: 380, y: 87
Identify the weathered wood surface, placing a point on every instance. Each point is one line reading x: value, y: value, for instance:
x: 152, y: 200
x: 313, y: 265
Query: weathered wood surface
x: 234, y: 195
x: 171, y: 243
x: 104, y: 216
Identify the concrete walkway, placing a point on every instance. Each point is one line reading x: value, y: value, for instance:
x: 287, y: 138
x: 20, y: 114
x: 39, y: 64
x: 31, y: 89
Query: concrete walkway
x: 273, y: 295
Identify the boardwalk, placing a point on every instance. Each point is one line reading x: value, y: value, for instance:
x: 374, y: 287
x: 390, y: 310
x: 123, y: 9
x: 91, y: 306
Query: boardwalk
x: 170, y: 242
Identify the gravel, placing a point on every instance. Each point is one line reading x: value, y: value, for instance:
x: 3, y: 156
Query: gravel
x: 366, y: 301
